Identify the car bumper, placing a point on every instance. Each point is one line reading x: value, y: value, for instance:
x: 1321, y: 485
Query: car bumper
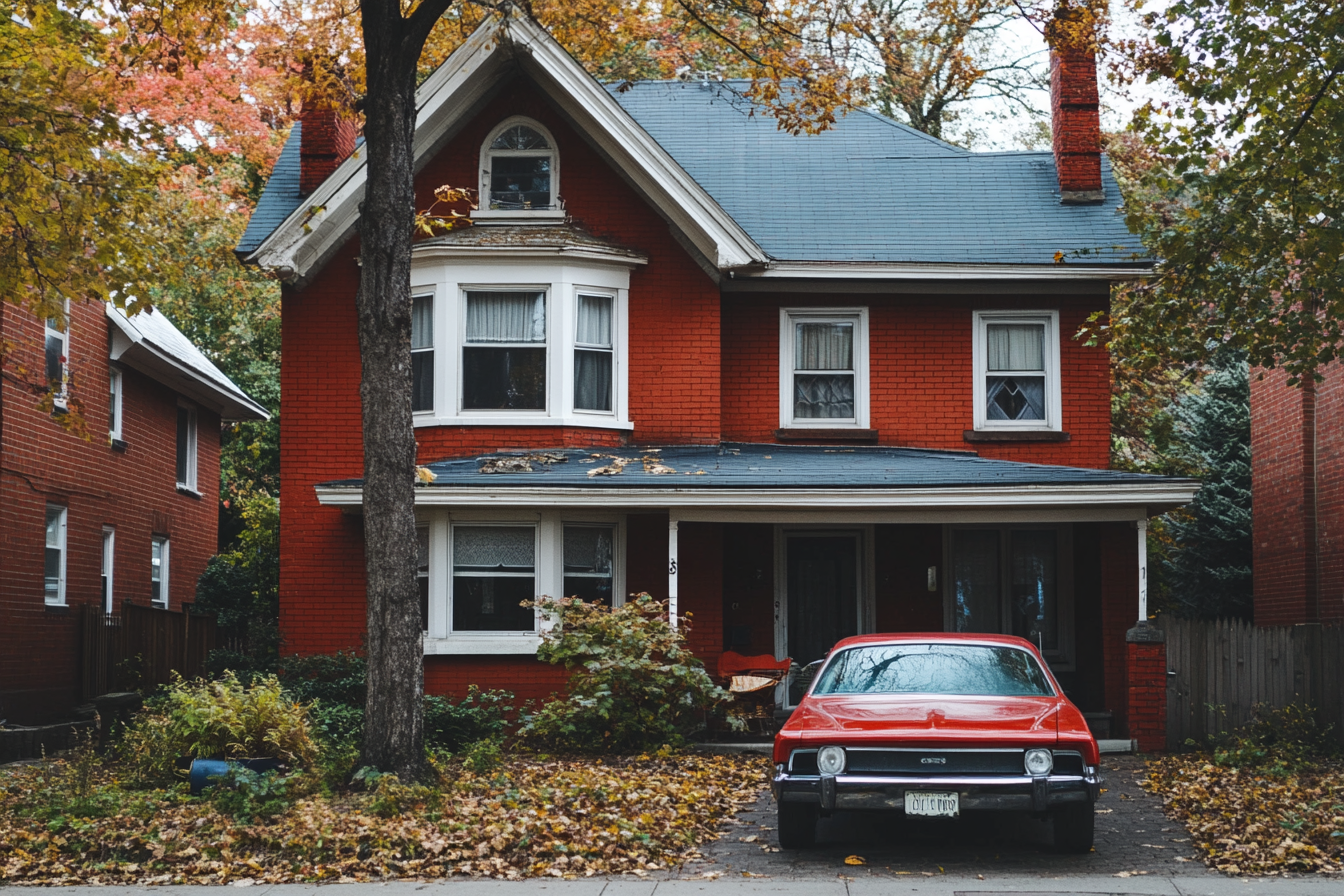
x: 997, y: 793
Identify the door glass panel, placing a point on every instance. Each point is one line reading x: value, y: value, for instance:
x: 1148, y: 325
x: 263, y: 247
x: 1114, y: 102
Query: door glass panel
x: 975, y: 570
x: 1034, y: 603
x: 823, y: 598
x: 588, y: 567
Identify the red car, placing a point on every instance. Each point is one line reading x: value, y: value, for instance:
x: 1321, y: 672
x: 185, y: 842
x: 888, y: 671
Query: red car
x: 936, y: 725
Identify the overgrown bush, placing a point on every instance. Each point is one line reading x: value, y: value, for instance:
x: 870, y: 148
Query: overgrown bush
x: 334, y: 686
x: 248, y: 795
x: 1277, y: 740
x: 481, y: 716
x: 635, y: 685
x: 223, y: 719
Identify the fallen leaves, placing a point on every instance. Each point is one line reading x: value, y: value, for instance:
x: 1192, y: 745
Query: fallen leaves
x: 855, y: 860
x: 564, y: 818
x: 1252, y: 821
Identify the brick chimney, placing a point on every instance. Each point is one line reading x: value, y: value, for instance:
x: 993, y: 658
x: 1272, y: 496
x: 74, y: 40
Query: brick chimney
x: 1075, y: 117
x: 327, y: 138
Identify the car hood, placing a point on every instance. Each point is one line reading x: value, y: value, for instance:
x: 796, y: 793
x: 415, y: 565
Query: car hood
x: 923, y: 719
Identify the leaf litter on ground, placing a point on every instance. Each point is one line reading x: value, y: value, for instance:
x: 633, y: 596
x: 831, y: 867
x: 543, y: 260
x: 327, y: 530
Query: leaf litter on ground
x: 529, y: 817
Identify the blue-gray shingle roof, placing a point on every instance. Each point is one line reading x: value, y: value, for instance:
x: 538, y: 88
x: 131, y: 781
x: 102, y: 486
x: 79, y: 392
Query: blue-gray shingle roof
x: 758, y: 466
x: 868, y: 190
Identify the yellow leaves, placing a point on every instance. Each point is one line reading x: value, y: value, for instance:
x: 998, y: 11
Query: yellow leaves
x: 855, y: 860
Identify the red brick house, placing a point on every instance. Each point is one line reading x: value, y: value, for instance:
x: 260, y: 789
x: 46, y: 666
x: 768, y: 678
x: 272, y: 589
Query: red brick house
x: 1297, y: 473
x: 128, y: 514
x: 799, y: 386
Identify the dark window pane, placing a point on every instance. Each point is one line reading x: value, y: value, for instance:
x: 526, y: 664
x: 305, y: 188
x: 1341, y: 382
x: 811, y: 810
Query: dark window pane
x: 520, y: 182
x: 491, y: 604
x: 520, y: 136
x: 183, y: 442
x: 55, y: 348
x: 592, y: 380
x: 823, y: 396
x: 422, y: 574
x: 975, y: 570
x: 1015, y: 397
x: 1035, y: 611
x: 504, y: 378
x: 589, y: 553
x: 51, y: 574
x: 422, y: 381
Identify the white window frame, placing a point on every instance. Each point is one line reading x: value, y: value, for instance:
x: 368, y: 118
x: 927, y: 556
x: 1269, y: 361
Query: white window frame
x: 115, y: 384
x: 61, y: 396
x: 563, y: 283
x: 788, y: 317
x: 980, y: 358
x: 165, y: 555
x: 575, y: 347
x: 555, y: 214
x: 109, y: 560
x: 462, y: 345
x: 63, y: 514
x: 548, y: 572
x: 193, y: 443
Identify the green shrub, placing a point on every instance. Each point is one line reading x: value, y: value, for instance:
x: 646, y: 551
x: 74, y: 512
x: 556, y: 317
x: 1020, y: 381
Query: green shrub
x: 222, y: 719
x: 247, y: 795
x: 481, y: 716
x: 1277, y: 740
x: 635, y: 685
x: 333, y: 678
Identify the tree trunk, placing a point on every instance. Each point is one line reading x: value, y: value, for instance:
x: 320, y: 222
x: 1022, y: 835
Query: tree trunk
x: 393, y: 714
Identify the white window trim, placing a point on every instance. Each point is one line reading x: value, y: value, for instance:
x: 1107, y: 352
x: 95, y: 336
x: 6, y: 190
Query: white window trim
x: 193, y: 447
x: 116, y: 384
x: 562, y: 282
x: 1053, y: 390
x: 549, y: 573
x: 109, y: 566
x: 1061, y: 659
x: 787, y: 318
x: 61, y: 398
x: 165, y: 598
x: 62, y: 537
x: 485, y: 214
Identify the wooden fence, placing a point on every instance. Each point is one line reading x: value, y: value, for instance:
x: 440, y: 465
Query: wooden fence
x: 141, y: 647
x: 1219, y: 671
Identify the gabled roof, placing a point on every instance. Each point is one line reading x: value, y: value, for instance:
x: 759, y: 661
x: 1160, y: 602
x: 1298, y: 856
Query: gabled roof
x: 149, y: 342
x: 739, y: 475
x: 870, y: 198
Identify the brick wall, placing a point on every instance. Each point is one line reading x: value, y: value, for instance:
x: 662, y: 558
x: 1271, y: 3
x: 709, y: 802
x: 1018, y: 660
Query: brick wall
x: 1075, y: 120
x: 1146, y: 707
x: 133, y: 490
x: 921, y: 373
x: 1297, y: 470
x: 326, y: 139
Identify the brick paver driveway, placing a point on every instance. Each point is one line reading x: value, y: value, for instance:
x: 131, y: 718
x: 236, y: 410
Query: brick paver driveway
x: 1132, y: 836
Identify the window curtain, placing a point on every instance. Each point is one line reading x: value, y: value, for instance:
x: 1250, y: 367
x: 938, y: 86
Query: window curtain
x: 506, y: 317
x: 824, y: 347
x: 422, y: 322
x: 494, y: 548
x: 592, y: 369
x: 1015, y: 347
x: 975, y: 570
x: 594, y: 321
x: 823, y: 397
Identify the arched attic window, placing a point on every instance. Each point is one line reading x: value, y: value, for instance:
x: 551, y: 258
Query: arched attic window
x: 520, y: 170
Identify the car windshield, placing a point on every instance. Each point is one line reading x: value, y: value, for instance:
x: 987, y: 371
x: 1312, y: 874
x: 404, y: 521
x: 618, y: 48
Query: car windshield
x: 962, y: 669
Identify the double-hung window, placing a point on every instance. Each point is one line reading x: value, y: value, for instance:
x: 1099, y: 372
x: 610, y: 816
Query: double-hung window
x: 504, y: 351
x: 158, y: 571
x: 53, y: 562
x: 518, y: 168
x: 186, y: 447
x: 594, y: 358
x: 422, y: 353
x: 114, y: 405
x: 109, y: 559
x: 422, y: 573
x: 494, y: 571
x: 57, y: 360
x: 1016, y: 358
x: 824, y: 368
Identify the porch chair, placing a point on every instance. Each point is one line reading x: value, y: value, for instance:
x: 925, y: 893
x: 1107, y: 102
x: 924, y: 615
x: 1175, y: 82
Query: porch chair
x: 752, y: 680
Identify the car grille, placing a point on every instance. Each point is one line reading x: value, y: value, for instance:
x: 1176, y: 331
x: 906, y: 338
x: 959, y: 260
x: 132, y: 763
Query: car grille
x: 879, y: 762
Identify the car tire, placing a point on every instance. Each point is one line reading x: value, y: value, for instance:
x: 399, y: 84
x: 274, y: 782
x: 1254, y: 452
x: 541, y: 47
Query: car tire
x: 797, y: 825
x: 1074, y: 828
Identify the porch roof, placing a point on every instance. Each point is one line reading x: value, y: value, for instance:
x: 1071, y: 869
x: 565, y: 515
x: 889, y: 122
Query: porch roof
x: 787, y: 474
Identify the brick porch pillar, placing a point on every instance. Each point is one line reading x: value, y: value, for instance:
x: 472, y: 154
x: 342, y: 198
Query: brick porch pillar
x: 1146, y: 701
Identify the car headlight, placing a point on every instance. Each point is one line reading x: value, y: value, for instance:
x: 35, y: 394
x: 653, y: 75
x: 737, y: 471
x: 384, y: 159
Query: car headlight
x: 831, y: 760
x: 1039, y: 762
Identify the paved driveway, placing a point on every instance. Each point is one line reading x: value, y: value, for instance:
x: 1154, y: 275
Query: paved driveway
x: 1133, y: 838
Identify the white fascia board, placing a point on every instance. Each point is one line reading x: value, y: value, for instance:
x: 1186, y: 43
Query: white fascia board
x: 1100, y: 496
x: 425, y: 251
x: 840, y: 270
x: 328, y: 216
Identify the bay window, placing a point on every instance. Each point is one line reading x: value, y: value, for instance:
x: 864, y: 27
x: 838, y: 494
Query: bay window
x: 593, y: 361
x: 504, y: 356
x: 422, y: 353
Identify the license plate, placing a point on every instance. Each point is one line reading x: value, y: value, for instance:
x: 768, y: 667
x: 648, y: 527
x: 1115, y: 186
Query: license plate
x: 919, y: 802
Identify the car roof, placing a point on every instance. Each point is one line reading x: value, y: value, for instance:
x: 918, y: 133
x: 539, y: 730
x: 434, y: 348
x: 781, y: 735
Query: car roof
x: 934, y: 638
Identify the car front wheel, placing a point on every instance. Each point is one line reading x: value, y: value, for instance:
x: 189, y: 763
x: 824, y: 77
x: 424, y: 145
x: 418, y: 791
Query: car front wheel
x: 1074, y: 828
x: 797, y: 825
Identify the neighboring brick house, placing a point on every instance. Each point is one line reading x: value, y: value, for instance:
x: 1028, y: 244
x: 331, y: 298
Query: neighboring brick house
x: 799, y: 386
x: 129, y: 513
x: 1297, y: 483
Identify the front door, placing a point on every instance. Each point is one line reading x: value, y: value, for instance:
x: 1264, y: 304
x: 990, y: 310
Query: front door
x: 822, y: 596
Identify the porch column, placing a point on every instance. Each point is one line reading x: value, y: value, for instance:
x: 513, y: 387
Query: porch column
x: 1142, y: 527
x: 672, y: 569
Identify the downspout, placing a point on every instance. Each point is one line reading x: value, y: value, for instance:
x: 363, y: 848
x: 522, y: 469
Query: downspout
x: 1313, y: 589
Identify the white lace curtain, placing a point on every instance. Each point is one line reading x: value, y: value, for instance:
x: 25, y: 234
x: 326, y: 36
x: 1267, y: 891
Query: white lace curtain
x: 506, y: 317
x: 824, y: 346
x: 1015, y: 347
x: 511, y: 547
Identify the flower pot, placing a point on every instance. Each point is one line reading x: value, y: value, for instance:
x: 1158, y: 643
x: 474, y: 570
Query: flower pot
x: 205, y: 772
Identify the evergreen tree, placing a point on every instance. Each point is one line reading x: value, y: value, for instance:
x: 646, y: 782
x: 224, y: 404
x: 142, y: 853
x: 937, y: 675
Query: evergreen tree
x: 1206, y: 565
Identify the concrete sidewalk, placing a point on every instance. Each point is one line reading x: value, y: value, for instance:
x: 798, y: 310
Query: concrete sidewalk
x: 874, y: 885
